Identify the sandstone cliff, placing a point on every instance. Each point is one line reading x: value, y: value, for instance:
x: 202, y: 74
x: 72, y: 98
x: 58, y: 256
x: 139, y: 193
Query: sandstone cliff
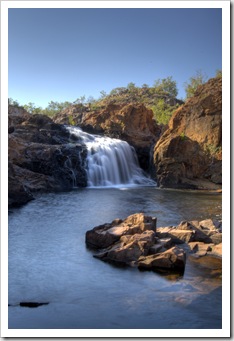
x: 189, y: 153
x: 40, y: 157
x: 131, y: 123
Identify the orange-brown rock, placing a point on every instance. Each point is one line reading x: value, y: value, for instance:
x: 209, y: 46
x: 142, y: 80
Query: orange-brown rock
x: 189, y: 153
x: 131, y: 123
x: 137, y: 242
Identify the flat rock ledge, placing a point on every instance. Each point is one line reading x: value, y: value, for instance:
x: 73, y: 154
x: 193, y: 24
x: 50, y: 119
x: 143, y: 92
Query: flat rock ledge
x: 137, y: 242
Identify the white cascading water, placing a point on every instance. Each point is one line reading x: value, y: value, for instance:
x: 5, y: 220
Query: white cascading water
x: 110, y: 162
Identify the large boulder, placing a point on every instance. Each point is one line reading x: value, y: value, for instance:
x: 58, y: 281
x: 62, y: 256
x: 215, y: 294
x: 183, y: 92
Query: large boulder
x: 105, y: 235
x: 129, y: 248
x: 129, y: 122
x: 189, y: 153
x: 41, y: 157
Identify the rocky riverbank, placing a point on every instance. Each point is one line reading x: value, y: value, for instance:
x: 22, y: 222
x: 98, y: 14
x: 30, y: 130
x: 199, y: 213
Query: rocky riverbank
x: 137, y: 242
x: 41, y: 157
x: 189, y: 153
x: 44, y: 157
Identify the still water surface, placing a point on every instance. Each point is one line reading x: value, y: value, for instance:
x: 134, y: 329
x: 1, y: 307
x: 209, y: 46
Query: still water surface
x: 49, y: 262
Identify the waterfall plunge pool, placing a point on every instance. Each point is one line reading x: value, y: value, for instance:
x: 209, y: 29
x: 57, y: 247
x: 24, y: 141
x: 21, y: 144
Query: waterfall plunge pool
x: 49, y: 262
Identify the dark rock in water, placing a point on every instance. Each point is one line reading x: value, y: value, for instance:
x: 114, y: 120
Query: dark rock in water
x: 18, y: 194
x: 32, y: 304
x: 41, y: 157
x: 29, y: 304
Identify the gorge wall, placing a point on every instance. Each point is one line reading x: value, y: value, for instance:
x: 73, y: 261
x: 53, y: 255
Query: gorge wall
x: 129, y: 122
x: 189, y: 153
x: 43, y: 156
x: 40, y: 157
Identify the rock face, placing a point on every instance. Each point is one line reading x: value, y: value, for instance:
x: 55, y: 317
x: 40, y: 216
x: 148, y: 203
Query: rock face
x: 135, y: 241
x: 41, y: 157
x: 189, y: 153
x: 105, y: 235
x: 130, y: 242
x: 131, y: 123
x: 171, y: 259
x: 192, y: 231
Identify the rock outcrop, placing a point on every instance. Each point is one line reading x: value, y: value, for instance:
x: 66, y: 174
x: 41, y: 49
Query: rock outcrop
x: 135, y: 241
x: 189, y: 153
x: 41, y: 157
x: 131, y: 123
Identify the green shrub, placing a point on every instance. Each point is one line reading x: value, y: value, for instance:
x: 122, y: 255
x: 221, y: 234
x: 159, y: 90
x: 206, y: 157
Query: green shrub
x: 163, y: 111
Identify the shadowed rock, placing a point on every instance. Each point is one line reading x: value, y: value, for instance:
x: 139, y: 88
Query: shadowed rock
x: 172, y: 259
x: 41, y: 157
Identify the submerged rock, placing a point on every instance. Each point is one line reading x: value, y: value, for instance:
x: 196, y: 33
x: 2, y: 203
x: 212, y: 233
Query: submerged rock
x: 32, y: 304
x: 135, y: 241
x: 29, y: 304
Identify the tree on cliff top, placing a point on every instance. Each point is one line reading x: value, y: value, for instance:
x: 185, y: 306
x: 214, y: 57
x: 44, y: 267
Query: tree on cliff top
x: 166, y: 86
x: 193, y: 83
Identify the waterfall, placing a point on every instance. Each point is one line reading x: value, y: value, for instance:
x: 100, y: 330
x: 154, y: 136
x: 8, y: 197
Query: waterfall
x: 110, y: 162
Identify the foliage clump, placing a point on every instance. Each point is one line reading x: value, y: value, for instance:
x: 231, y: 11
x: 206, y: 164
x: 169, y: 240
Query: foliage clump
x: 161, y: 98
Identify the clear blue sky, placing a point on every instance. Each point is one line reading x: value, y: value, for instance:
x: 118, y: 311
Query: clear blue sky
x: 62, y: 54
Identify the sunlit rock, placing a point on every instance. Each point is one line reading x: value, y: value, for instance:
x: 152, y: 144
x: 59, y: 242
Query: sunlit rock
x: 189, y: 153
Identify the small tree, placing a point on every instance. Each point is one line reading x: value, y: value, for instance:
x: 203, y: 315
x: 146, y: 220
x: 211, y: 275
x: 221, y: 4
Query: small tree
x: 80, y: 100
x: 163, y: 111
x: 218, y: 74
x: 91, y: 99
x: 30, y: 107
x: 166, y: 86
x: 103, y: 94
x: 13, y: 102
x: 131, y: 86
x: 193, y: 83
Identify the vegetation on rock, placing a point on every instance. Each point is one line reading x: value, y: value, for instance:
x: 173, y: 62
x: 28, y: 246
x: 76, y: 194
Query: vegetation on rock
x: 195, y: 81
x: 189, y: 153
x: 187, y: 149
x: 161, y: 98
